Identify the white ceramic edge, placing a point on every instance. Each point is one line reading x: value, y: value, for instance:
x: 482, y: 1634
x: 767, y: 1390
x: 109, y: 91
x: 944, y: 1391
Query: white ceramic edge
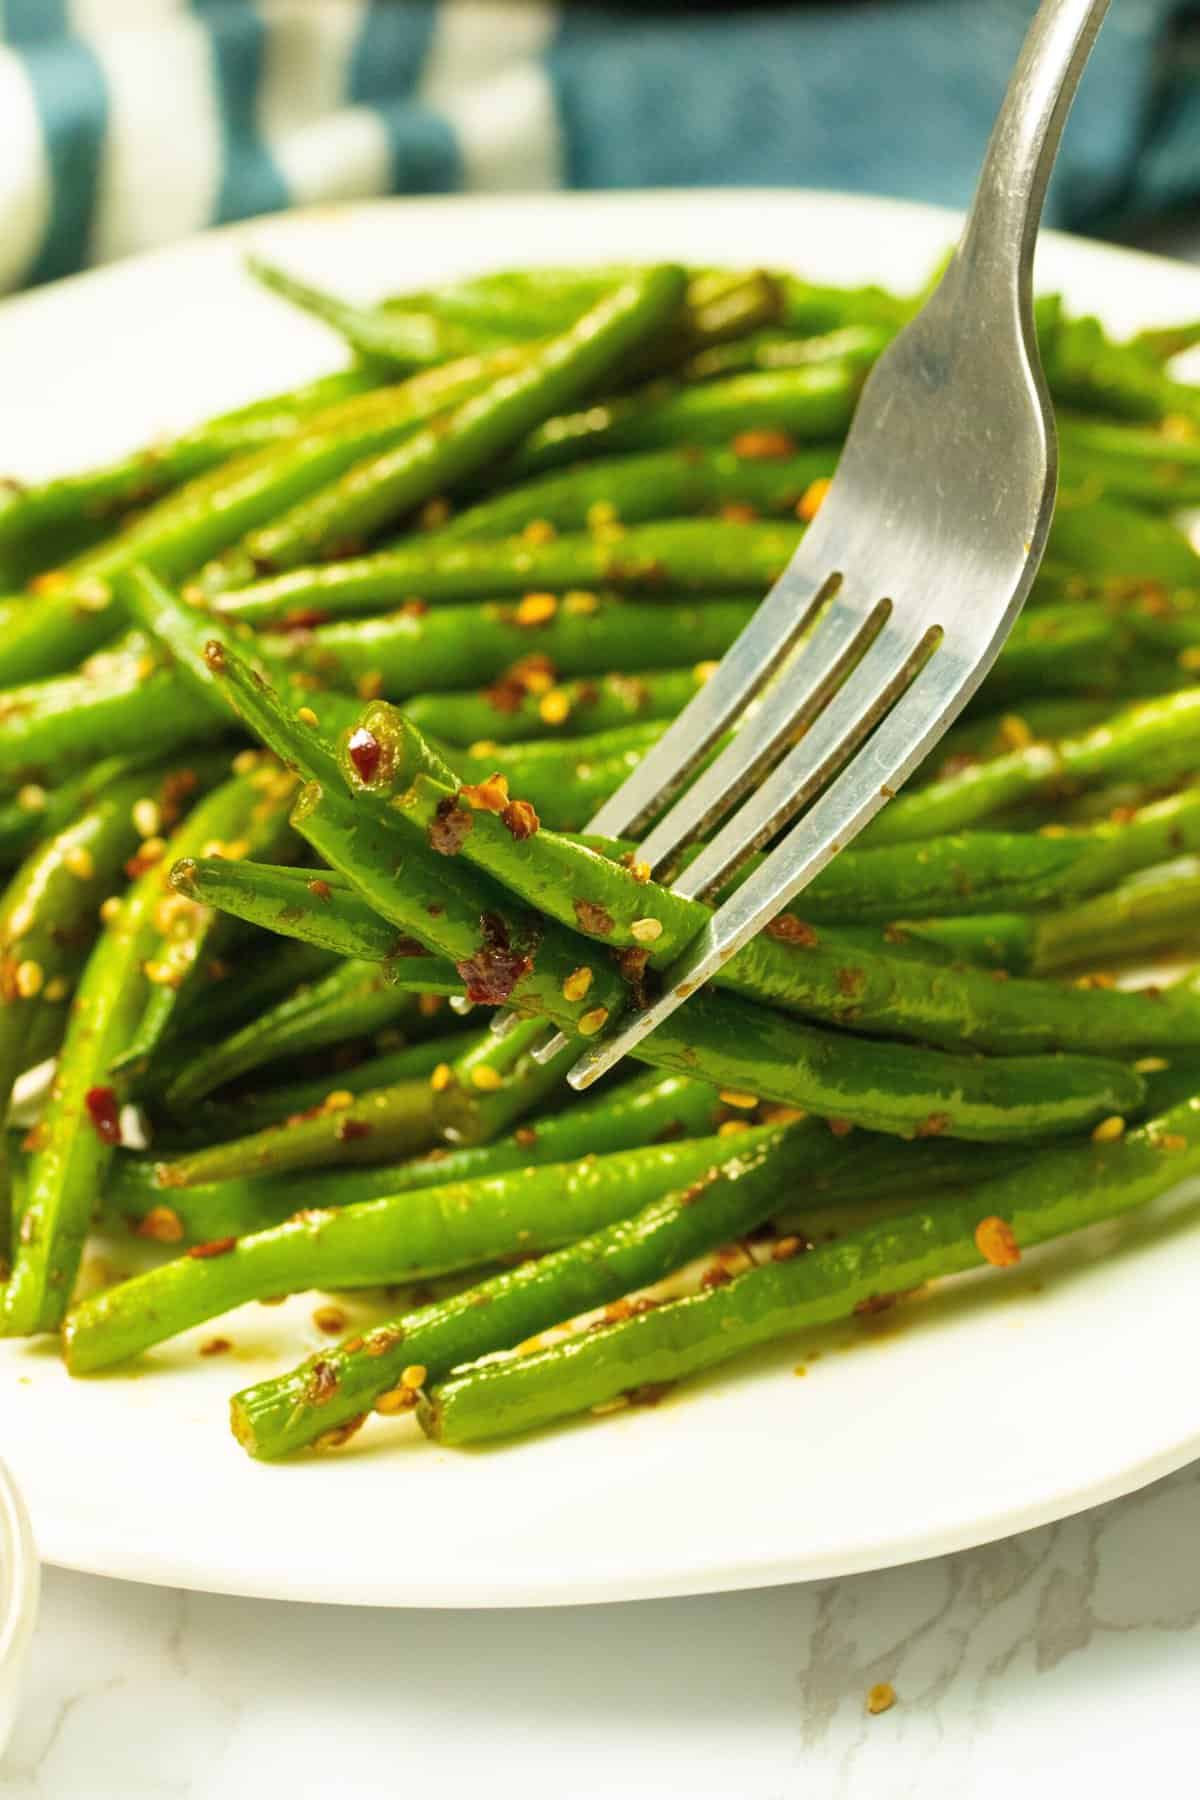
x: 62, y: 1549
x: 309, y: 1589
x: 20, y: 1586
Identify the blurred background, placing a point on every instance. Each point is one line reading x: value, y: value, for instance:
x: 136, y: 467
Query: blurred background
x: 126, y: 123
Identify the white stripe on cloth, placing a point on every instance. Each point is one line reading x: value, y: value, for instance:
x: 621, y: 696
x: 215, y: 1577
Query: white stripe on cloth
x: 24, y: 173
x: 484, y: 74
x: 161, y: 165
x: 323, y: 148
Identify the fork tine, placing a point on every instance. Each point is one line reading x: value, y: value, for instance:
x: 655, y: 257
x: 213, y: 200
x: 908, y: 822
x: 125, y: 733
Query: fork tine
x: 801, y: 691
x: 887, y: 669
x: 747, y: 665
x: 893, y: 751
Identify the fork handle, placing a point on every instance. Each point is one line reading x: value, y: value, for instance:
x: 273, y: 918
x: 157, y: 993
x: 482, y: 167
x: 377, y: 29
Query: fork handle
x: 1001, y: 229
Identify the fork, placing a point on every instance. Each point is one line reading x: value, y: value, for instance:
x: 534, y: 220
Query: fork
x: 904, y: 588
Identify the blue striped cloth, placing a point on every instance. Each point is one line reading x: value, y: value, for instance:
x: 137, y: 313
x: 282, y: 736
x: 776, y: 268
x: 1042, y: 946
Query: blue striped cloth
x: 125, y: 123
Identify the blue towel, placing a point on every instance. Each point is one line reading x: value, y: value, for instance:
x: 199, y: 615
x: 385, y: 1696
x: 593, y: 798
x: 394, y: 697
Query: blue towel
x: 125, y: 123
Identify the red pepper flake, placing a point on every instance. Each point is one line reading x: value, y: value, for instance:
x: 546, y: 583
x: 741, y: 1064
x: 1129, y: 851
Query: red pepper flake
x: 216, y: 1346
x: 521, y: 819
x: 763, y: 444
x: 321, y: 889
x: 408, y: 946
x: 486, y: 796
x: 716, y: 1277
x: 450, y: 827
x: 350, y: 1129
x: 214, y: 1247
x: 366, y: 753
x: 162, y: 1224
x: 104, y: 1113
x: 850, y: 983
x: 496, y: 967
x: 525, y: 1136
x: 593, y: 918
x: 936, y: 1125
x: 322, y: 1383
x: 788, y: 929
x: 303, y: 619
x: 840, y: 1127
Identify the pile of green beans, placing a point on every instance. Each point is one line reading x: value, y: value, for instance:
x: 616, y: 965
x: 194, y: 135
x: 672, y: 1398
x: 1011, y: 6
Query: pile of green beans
x: 303, y: 717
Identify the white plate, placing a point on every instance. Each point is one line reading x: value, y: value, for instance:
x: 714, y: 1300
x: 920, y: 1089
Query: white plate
x: 989, y: 1407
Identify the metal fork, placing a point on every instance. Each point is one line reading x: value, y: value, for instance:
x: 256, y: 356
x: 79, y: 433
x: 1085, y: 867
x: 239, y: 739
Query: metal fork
x: 905, y: 587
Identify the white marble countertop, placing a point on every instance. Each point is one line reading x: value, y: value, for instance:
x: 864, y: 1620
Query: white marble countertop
x: 1057, y: 1663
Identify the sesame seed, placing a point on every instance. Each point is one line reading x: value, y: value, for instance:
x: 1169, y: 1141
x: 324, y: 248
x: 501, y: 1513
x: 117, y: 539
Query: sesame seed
x: 593, y: 1021
x: 486, y: 1079
x: 812, y: 498
x: 162, y: 1224
x: 396, y: 1400
x: 537, y: 609
x: 110, y: 909
x: 732, y: 1127
x: 441, y: 1078
x: 880, y: 1697
x: 1151, y: 1065
x: 1015, y: 733
x: 539, y: 531
x: 646, y: 931
x: 600, y: 513
x: 640, y: 871
x: 147, y: 818
x: 31, y: 798
x: 307, y: 716
x: 246, y: 761
x: 555, y: 707
x: 580, y: 603
x: 330, y: 1319
x: 29, y: 979
x: 57, y: 988
x: 1109, y: 1130
x: 577, y: 984
x: 339, y: 1100
x: 415, y: 1376
x: 734, y: 1097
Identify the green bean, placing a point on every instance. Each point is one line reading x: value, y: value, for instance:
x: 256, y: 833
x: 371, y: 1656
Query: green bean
x: 406, y: 1237
x: 1163, y: 734
x: 143, y: 475
x: 76, y: 1140
x: 125, y: 701
x: 213, y: 1121
x: 673, y: 558
x: 773, y: 348
x: 192, y: 935
x: 1157, y: 909
x: 1164, y: 342
x: 1065, y: 1190
x: 810, y: 405
x: 660, y: 484
x: 36, y: 813
x: 1123, y: 543
x: 284, y: 899
x: 513, y: 711
x: 341, y: 1385
x: 505, y: 956
x: 494, y: 1083
x: 184, y: 632
x: 74, y: 611
x: 441, y: 456
x: 819, y: 974
x: 379, y: 1124
x: 1086, y: 370
x: 401, y: 340
x: 353, y: 1000
x: 1130, y: 462
x: 650, y: 1108
x: 458, y: 646
x: 49, y: 917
